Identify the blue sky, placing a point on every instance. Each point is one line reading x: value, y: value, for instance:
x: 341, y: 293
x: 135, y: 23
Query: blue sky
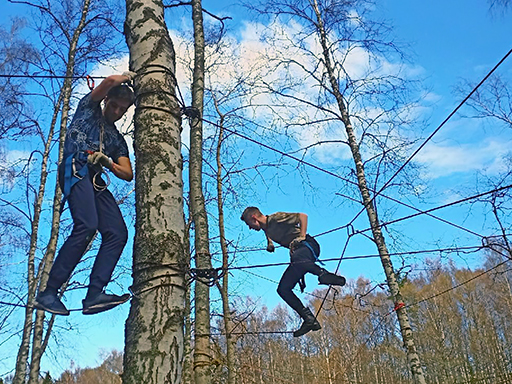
x: 449, y: 41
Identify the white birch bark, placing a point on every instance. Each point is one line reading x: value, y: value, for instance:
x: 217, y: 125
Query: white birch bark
x: 154, y: 329
x: 403, y: 318
x: 202, y: 354
x: 224, y: 288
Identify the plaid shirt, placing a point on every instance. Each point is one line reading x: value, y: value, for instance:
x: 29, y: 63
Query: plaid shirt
x: 84, y: 132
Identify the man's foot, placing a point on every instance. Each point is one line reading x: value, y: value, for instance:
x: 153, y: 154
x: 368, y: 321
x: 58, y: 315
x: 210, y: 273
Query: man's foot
x: 103, y: 302
x: 328, y: 278
x: 310, y: 323
x: 50, y: 302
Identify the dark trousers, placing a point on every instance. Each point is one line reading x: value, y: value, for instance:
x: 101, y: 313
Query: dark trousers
x: 302, y: 262
x: 91, y: 210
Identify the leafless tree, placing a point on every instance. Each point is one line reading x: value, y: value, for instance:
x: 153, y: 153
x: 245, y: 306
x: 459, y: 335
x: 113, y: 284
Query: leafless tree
x: 15, y: 56
x: 154, y: 329
x: 316, y: 44
x: 202, y: 371
x: 78, y: 36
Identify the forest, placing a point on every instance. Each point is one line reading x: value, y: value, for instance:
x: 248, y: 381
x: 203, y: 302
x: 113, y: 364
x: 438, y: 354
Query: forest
x: 314, y: 106
x: 359, y: 341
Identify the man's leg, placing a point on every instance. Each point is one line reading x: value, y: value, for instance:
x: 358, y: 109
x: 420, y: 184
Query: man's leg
x: 114, y: 236
x: 303, y: 255
x: 85, y: 222
x: 290, y: 278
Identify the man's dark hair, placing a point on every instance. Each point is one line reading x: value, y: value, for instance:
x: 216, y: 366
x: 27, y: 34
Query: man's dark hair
x: 123, y: 92
x: 249, y: 211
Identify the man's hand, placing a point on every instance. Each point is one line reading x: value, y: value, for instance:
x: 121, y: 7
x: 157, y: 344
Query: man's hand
x: 295, y: 242
x: 100, y: 158
x: 270, y: 247
x: 130, y: 75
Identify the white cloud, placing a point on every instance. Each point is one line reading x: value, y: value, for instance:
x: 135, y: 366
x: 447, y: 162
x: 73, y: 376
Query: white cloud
x: 246, y: 52
x: 444, y: 160
x: 16, y: 156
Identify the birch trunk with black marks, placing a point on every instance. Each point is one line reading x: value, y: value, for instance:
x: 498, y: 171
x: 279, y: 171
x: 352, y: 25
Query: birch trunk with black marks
x: 38, y: 342
x: 45, y: 265
x: 188, y: 369
x: 403, y: 318
x: 224, y: 288
x: 154, y: 329
x: 202, y: 353
x: 187, y: 350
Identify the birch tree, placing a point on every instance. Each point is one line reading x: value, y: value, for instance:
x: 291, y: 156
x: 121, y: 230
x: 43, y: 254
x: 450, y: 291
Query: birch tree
x: 224, y: 287
x: 319, y: 39
x: 64, y: 26
x: 202, y: 373
x: 15, y: 56
x: 154, y: 329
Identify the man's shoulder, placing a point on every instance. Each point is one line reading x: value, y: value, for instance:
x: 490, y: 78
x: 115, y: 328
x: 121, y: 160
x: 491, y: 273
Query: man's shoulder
x: 282, y: 216
x: 278, y: 214
x: 87, y: 102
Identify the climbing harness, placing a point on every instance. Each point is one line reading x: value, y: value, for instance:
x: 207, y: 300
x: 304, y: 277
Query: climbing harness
x: 72, y: 175
x: 306, y: 242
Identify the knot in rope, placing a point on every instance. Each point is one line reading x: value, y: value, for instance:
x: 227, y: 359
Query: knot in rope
x: 191, y: 112
x: 207, y: 276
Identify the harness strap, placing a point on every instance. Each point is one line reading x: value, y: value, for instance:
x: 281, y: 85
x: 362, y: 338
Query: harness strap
x: 71, y: 175
x: 302, y: 281
x: 313, y: 252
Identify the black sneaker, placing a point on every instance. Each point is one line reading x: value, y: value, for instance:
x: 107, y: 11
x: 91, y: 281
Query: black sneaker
x: 49, y: 302
x: 328, y: 278
x: 103, y: 302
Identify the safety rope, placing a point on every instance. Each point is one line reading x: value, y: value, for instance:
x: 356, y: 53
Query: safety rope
x: 97, y: 186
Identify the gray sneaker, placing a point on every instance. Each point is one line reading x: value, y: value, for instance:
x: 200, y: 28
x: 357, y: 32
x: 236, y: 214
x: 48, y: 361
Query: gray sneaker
x: 103, y: 302
x: 50, y: 303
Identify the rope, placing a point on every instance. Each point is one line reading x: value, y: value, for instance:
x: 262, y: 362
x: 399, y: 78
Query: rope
x: 192, y: 112
x: 436, y: 130
x: 396, y: 307
x: 463, y: 200
x: 301, y: 161
x: 51, y: 77
x: 34, y: 308
x: 207, y: 276
x: 350, y: 234
x: 466, y: 249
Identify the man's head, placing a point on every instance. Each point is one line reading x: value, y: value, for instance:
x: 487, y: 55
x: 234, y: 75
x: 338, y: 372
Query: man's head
x: 253, y: 217
x: 117, y: 102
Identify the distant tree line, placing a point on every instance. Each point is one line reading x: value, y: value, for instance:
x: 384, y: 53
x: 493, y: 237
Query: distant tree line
x: 464, y: 335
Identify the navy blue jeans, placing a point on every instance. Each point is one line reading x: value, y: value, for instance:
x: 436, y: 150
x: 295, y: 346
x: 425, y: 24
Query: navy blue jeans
x: 302, y: 262
x: 91, y: 210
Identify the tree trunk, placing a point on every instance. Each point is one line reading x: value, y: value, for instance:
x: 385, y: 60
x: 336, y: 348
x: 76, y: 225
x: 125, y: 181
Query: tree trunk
x: 187, y: 349
x: 403, y: 318
x: 202, y: 356
x: 44, y: 268
x: 21, y: 362
x: 224, y: 289
x: 154, y: 329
